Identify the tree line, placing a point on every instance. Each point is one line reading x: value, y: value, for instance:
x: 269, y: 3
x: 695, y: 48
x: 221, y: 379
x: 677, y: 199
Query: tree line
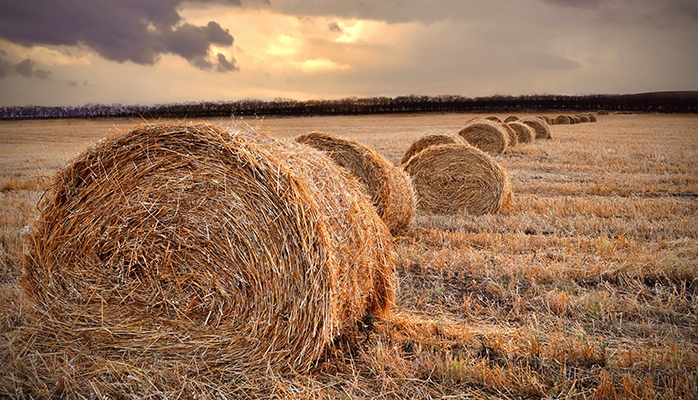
x: 655, y: 102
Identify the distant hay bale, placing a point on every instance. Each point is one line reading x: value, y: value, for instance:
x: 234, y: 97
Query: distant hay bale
x: 583, y: 118
x: 546, y: 119
x: 602, y: 112
x: 494, y: 118
x: 512, y: 138
x: 388, y: 186
x: 591, y: 117
x: 511, y: 118
x: 524, y: 133
x: 426, y: 140
x: 486, y: 135
x: 562, y: 120
x: 458, y: 178
x: 185, y: 253
x: 541, y: 128
x: 576, y: 119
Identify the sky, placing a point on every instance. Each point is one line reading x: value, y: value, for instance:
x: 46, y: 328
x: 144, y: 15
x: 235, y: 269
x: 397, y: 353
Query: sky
x: 75, y: 52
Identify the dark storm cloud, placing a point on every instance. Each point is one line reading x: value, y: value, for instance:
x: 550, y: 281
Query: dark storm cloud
x: 224, y: 65
x: 124, y: 30
x: 26, y: 68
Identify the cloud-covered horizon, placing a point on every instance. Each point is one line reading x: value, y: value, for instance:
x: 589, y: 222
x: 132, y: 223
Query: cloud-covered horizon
x: 136, y: 51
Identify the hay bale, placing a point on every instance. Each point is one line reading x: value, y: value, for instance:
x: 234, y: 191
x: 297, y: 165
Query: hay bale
x: 591, y: 117
x: 186, y: 255
x: 486, y: 135
x: 545, y: 118
x: 511, y: 118
x: 583, y: 118
x: 426, y: 140
x: 494, y: 118
x: 576, y: 119
x: 524, y: 133
x: 602, y: 112
x: 458, y: 178
x: 541, y: 128
x: 387, y: 185
x: 512, y: 138
x: 562, y: 120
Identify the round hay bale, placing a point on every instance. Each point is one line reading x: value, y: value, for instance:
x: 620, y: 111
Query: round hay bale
x: 494, y: 118
x: 486, y: 135
x: 562, y: 120
x: 546, y: 119
x: 426, y: 140
x: 387, y: 185
x: 583, y: 118
x: 458, y: 178
x: 524, y: 133
x: 541, y: 128
x: 188, y: 251
x: 602, y: 112
x: 591, y: 117
x: 511, y: 118
x: 512, y: 138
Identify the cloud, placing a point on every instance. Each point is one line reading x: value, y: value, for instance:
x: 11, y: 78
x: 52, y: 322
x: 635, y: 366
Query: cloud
x: 224, y: 65
x: 124, y: 30
x: 26, y: 68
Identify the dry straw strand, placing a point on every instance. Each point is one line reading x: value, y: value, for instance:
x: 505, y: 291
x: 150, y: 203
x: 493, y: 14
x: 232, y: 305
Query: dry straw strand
x: 486, y: 135
x: 388, y: 186
x: 190, y: 257
x: 541, y: 127
x: 458, y: 178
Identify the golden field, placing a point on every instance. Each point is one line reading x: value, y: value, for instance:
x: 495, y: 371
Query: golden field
x: 586, y: 289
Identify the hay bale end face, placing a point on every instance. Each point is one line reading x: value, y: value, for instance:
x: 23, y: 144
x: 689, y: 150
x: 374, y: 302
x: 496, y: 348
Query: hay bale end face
x: 486, y: 135
x: 426, y: 140
x: 524, y: 133
x: 458, y: 178
x: 541, y: 128
x: 512, y: 137
x: 562, y: 120
x: 387, y: 185
x: 187, y: 248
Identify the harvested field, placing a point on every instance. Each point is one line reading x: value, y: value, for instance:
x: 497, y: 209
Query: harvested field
x: 587, y: 289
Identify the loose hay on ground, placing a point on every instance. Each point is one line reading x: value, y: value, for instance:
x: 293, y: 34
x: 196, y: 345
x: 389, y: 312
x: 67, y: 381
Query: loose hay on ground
x: 388, y: 186
x: 182, y: 258
x: 458, y: 178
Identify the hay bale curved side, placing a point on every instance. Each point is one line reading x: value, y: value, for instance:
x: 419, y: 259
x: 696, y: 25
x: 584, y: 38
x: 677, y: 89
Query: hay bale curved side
x: 429, y: 139
x: 524, y: 133
x: 494, y: 118
x: 512, y: 137
x: 486, y: 135
x: 388, y: 186
x: 511, y: 118
x: 458, y: 178
x: 541, y: 128
x: 183, y: 248
x: 562, y: 120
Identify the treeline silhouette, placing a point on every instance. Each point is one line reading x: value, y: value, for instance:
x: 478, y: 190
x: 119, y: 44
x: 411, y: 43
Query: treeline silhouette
x: 654, y: 102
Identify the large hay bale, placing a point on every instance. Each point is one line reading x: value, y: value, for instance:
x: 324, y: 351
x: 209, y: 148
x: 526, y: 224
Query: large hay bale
x: 511, y: 118
x: 426, y: 140
x: 562, y: 120
x: 186, y: 255
x: 512, y: 137
x: 486, y: 135
x: 524, y: 133
x: 458, y: 178
x: 541, y: 128
x: 387, y: 185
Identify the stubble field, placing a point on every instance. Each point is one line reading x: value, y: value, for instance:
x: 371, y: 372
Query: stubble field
x: 586, y: 289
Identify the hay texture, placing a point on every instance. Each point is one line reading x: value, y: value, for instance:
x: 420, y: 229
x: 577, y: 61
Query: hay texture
x: 458, y: 178
x: 524, y: 133
x: 562, y: 120
x: 494, y: 118
x: 486, y: 135
x: 188, y: 257
x: 511, y: 118
x: 583, y: 118
x: 512, y: 137
x: 541, y: 128
x: 426, y: 140
x: 387, y: 185
x: 591, y: 117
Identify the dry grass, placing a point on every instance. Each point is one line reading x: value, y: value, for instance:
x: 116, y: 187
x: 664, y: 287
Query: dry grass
x: 586, y: 290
